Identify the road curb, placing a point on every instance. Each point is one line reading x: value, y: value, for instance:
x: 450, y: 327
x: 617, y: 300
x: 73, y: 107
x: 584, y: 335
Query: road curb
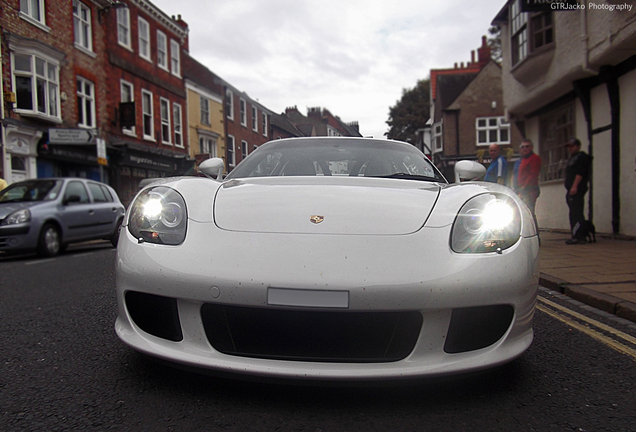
x: 605, y: 302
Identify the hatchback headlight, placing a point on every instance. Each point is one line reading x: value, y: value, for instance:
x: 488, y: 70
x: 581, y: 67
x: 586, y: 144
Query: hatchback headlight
x: 159, y: 216
x: 486, y: 223
x: 17, y: 217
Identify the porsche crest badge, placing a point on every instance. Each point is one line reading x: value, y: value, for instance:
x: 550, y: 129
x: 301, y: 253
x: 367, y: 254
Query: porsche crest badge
x: 316, y: 219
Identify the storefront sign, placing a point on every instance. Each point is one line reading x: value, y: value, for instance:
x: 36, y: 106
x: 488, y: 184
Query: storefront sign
x: 72, y: 136
x: 101, y: 152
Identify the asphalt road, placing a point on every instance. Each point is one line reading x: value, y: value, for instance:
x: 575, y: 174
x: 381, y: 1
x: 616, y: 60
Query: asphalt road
x: 63, y: 368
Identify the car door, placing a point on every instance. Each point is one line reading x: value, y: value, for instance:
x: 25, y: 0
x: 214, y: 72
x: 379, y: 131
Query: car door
x: 77, y: 213
x: 105, y: 209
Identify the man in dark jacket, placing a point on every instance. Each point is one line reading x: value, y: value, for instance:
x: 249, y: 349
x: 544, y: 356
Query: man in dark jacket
x: 577, y: 175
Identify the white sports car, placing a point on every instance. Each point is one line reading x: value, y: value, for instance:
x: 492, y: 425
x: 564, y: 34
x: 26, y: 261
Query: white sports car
x: 328, y: 258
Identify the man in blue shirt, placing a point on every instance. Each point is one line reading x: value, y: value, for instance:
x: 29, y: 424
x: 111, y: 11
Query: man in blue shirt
x: 498, y: 169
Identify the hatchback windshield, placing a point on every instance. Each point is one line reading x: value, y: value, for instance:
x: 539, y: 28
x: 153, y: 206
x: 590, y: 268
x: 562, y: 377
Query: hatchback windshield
x: 31, y: 190
x: 337, y: 157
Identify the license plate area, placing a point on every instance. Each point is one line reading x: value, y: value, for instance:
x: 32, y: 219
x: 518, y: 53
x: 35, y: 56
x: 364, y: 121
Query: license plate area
x: 307, y: 298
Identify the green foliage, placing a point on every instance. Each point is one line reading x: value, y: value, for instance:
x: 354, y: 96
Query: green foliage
x: 410, y: 113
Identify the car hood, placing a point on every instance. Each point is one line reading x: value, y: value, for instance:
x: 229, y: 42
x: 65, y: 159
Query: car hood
x: 325, y: 205
x: 7, y: 208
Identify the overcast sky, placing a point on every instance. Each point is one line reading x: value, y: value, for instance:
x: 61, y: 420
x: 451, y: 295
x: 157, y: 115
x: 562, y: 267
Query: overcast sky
x: 352, y: 57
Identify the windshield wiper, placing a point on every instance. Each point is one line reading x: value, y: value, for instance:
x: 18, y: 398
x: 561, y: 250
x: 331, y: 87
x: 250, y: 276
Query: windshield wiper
x: 407, y: 176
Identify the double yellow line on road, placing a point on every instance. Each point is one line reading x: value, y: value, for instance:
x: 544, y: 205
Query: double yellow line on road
x: 621, y: 342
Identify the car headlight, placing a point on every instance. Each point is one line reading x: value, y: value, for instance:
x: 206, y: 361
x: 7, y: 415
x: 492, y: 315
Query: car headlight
x: 159, y: 215
x: 17, y: 217
x: 486, y: 223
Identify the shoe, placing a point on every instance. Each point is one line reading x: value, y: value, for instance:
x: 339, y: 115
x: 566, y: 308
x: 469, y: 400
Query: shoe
x: 575, y: 241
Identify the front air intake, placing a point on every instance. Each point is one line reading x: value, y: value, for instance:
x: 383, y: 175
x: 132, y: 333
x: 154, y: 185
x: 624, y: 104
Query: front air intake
x: 156, y: 315
x: 474, y: 328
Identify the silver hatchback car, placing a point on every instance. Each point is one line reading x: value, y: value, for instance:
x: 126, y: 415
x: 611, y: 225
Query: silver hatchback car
x: 47, y: 214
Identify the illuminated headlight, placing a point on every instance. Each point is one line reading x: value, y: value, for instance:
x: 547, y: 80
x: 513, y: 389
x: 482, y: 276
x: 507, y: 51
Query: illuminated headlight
x: 159, y: 215
x: 17, y: 217
x: 486, y: 223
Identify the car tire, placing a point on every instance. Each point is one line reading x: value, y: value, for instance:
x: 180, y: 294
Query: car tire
x: 115, y: 237
x: 50, y: 243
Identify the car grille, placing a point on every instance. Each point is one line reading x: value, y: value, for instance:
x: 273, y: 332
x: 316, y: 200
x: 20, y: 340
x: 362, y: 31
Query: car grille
x: 328, y: 336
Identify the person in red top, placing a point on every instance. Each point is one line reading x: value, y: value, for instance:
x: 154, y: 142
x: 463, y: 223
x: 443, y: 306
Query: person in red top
x: 528, y: 177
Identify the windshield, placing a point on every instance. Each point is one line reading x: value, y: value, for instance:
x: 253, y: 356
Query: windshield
x: 31, y: 190
x: 337, y: 157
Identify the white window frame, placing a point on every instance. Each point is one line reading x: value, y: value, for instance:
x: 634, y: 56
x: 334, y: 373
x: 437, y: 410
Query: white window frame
x: 264, y: 124
x: 123, y: 84
x: 175, y: 58
x: 254, y: 119
x: 244, y: 149
x: 177, y: 115
x: 34, y: 12
x: 143, y: 30
x: 166, y: 126
x: 231, y: 151
x: 84, y: 100
x: 438, y: 137
x: 207, y: 145
x: 229, y: 104
x: 147, y: 112
x: 204, y: 104
x: 495, y: 124
x: 243, y: 112
x: 162, y: 50
x: 82, y: 26
x: 123, y: 28
x: 50, y: 78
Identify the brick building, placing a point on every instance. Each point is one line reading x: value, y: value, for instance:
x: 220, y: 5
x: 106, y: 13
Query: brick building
x: 54, y: 88
x: 467, y: 112
x: 320, y: 122
x: 146, y: 128
x: 246, y: 124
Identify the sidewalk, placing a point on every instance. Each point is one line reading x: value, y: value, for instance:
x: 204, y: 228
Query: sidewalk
x: 601, y: 274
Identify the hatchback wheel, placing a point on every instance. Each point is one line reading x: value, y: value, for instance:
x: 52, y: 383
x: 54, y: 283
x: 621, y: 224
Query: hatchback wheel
x: 50, y: 243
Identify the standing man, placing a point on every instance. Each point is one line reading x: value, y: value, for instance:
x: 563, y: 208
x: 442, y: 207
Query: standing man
x: 577, y: 175
x: 498, y: 169
x: 528, y: 179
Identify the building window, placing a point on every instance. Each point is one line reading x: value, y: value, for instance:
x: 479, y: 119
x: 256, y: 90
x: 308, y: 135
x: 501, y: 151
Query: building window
x: 492, y: 130
x: 264, y: 124
x: 144, y: 38
x: 146, y: 102
x: 82, y: 25
x: 205, y: 110
x: 123, y: 27
x: 555, y: 130
x: 243, y: 112
x: 33, y: 9
x: 231, y: 160
x: 85, y: 103
x: 175, y: 57
x: 332, y: 132
x: 162, y: 50
x: 243, y: 149
x: 36, y: 84
x: 438, y: 142
x: 229, y: 105
x: 541, y: 30
x: 254, y: 119
x: 208, y: 146
x: 127, y: 95
x: 164, y: 106
x: 178, y: 128
x: 528, y: 31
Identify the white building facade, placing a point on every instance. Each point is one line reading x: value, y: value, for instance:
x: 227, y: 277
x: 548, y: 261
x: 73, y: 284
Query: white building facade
x: 572, y: 73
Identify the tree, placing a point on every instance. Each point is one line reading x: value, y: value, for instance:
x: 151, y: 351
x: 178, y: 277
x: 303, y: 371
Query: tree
x: 410, y: 113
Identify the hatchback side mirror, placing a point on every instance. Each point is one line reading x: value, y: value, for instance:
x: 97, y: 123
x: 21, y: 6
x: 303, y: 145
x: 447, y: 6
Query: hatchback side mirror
x: 71, y: 199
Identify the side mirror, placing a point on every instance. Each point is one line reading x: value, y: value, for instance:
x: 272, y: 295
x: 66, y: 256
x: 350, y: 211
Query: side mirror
x: 212, y: 168
x: 466, y: 170
x: 71, y: 199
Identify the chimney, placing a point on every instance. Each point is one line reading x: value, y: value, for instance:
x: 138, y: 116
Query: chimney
x: 483, y: 53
